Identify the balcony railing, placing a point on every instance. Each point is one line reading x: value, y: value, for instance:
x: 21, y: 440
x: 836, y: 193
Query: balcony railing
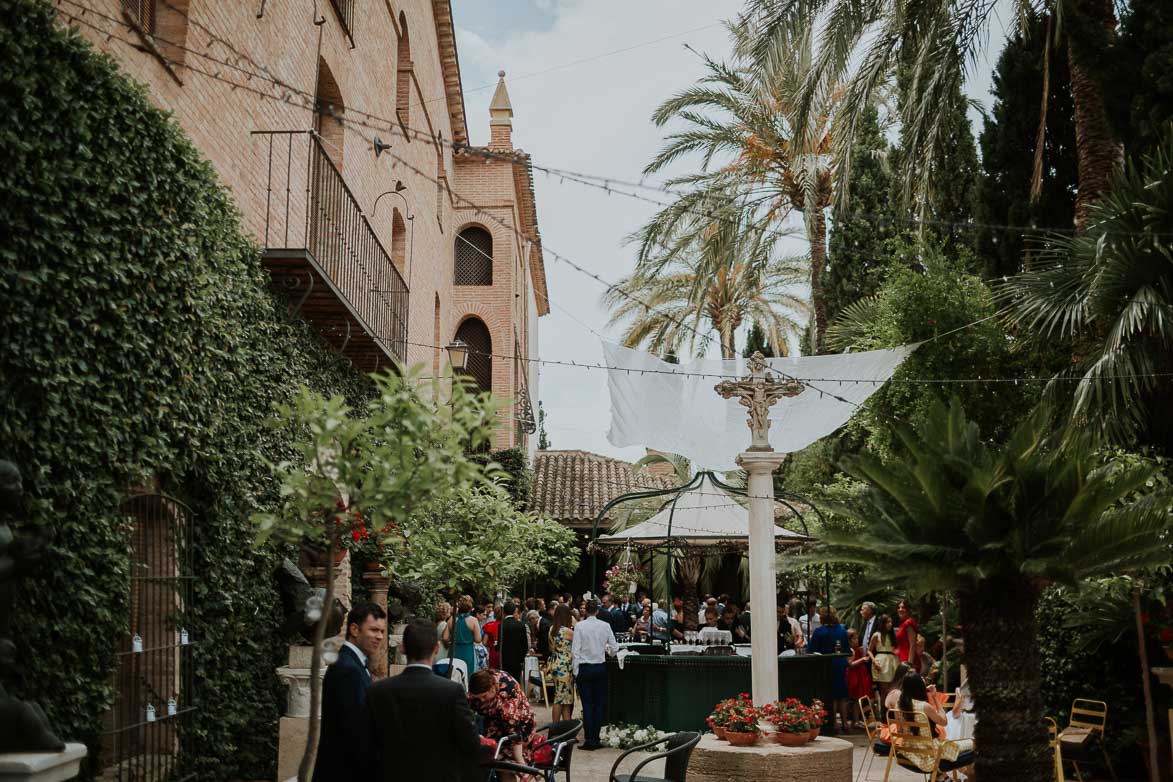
x: 320, y: 246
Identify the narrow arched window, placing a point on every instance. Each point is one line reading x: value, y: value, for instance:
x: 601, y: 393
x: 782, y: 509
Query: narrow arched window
x: 329, y: 110
x: 479, y: 364
x: 403, y: 74
x: 473, y: 257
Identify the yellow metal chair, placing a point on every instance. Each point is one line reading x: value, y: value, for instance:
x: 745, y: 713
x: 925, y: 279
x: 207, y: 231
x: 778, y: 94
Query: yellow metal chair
x: 916, y: 749
x: 1053, y: 748
x: 872, y: 726
x: 1084, y: 734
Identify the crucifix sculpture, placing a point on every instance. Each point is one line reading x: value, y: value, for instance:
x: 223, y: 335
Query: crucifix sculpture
x: 758, y: 392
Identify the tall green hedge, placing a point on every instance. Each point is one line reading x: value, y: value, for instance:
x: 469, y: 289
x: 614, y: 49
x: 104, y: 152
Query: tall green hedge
x: 138, y: 342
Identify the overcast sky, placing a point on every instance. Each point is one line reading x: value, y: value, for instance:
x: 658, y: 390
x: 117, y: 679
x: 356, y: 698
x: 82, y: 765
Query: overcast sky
x: 584, y: 78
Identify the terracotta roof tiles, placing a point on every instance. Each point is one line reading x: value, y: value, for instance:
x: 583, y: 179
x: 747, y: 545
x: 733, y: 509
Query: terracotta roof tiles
x: 573, y: 486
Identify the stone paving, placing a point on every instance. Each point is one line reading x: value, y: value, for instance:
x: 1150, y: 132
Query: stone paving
x: 595, y: 766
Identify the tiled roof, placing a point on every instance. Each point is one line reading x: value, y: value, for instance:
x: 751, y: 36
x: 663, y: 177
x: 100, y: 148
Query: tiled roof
x: 573, y: 486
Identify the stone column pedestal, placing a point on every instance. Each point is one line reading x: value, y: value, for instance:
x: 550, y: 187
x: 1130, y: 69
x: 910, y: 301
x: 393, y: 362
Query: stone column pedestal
x: 293, y: 730
x: 763, y: 581
x: 378, y: 584
x: 42, y: 766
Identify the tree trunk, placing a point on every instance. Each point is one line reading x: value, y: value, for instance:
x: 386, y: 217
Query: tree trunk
x: 1002, y: 657
x: 306, y: 767
x: 1098, y: 153
x: 1146, y: 687
x: 817, y: 237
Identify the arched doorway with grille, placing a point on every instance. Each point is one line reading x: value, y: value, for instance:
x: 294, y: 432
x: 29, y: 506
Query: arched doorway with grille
x: 479, y: 364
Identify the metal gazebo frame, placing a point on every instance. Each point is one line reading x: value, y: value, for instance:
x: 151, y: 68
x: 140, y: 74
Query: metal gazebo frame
x: 789, y: 499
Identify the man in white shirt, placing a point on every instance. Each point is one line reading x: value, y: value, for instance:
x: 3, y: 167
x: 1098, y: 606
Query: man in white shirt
x: 593, y: 641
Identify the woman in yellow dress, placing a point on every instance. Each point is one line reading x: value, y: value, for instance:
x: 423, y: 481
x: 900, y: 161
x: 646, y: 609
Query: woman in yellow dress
x: 882, y: 650
x: 561, y: 663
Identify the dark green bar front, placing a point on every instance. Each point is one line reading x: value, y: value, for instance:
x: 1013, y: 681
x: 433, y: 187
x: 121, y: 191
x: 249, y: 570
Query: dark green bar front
x: 677, y: 692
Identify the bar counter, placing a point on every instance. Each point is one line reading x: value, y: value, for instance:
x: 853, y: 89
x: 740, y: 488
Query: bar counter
x: 678, y: 691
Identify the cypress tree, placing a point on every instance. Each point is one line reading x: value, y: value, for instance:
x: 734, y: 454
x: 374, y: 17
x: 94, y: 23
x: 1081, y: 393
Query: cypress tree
x: 1008, y: 144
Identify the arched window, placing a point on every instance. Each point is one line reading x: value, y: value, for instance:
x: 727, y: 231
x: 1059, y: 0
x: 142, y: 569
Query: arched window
x: 474, y: 257
x: 479, y: 364
x: 329, y: 108
x: 403, y: 74
x: 398, y: 241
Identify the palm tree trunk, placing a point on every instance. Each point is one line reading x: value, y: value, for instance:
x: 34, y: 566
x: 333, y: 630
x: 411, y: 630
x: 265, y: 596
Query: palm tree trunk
x: 1146, y: 687
x: 1001, y: 654
x: 1097, y: 150
x: 817, y: 228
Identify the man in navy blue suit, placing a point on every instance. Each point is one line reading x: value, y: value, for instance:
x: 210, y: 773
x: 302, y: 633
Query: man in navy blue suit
x: 346, y: 750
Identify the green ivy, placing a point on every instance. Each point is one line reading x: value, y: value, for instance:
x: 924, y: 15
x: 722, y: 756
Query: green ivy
x: 141, y: 346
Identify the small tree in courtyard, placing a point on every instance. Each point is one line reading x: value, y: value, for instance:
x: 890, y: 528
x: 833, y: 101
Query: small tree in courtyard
x: 996, y: 524
x: 365, y: 475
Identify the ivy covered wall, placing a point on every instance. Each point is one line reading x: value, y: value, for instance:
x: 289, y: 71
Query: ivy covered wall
x: 139, y: 345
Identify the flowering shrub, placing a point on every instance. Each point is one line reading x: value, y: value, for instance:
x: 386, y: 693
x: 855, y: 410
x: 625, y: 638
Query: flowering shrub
x: 619, y: 578
x: 628, y: 736
x: 793, y: 716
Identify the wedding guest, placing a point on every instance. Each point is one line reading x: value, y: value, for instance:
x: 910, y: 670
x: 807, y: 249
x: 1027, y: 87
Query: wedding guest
x: 859, y: 675
x: 643, y: 624
x: 907, y: 632
x: 463, y: 631
x: 593, y: 641
x: 423, y: 726
x: 489, y: 635
x: 728, y: 620
x: 346, y: 748
x: 561, y: 664
x: 514, y: 642
x: 830, y: 638
x: 501, y: 703
x: 892, y: 697
x: 867, y: 616
x: 882, y: 652
x: 440, y: 618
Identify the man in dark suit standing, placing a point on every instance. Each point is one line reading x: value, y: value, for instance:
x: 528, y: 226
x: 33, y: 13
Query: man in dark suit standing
x: 630, y: 610
x: 423, y: 726
x: 346, y: 749
x: 514, y: 642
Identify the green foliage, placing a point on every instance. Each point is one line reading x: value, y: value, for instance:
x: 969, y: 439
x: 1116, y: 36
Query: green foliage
x: 862, y: 229
x: 1109, y: 293
x: 141, y: 347
x: 513, y: 473
x: 1140, y: 58
x: 756, y: 342
x: 479, y: 542
x: 1008, y: 148
x: 929, y: 292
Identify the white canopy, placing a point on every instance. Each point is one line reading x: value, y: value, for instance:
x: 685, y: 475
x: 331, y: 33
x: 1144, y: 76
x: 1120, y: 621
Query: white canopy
x: 705, y: 515
x: 673, y: 407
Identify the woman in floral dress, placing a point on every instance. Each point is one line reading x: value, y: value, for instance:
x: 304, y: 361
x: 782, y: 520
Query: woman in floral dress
x: 501, y: 703
x: 561, y: 665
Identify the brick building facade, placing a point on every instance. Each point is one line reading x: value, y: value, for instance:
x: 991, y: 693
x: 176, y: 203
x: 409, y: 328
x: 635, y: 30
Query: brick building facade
x: 391, y: 252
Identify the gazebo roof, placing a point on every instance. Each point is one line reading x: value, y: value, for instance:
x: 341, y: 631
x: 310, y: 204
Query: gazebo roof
x: 705, y: 516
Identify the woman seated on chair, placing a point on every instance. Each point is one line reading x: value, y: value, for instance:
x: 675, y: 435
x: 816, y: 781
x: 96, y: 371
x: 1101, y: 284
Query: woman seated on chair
x: 561, y: 664
x: 914, y: 696
x: 643, y: 624
x: 499, y: 700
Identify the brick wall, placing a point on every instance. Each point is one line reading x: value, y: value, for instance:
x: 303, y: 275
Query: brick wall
x: 220, y: 109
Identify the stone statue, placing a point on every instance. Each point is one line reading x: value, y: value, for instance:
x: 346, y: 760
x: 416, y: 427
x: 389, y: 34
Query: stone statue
x: 757, y: 392
x: 25, y: 727
x: 296, y: 596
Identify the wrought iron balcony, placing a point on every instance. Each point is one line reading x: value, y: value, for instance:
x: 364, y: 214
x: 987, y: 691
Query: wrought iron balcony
x: 321, y: 250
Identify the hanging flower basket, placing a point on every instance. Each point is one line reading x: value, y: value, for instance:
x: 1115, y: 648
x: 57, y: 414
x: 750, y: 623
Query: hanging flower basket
x: 618, y: 579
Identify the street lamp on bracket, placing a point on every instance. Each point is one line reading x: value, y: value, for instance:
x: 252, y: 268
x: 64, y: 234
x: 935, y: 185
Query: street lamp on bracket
x: 398, y: 190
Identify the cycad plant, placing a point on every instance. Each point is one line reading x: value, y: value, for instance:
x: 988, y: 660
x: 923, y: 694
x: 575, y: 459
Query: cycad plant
x: 995, y: 525
x: 732, y: 276
x: 1109, y: 292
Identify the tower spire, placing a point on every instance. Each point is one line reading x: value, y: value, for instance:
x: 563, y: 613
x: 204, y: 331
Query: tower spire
x: 501, y: 116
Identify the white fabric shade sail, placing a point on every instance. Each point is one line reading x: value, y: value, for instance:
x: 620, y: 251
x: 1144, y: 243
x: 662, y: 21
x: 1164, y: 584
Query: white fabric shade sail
x: 674, y: 408
x: 705, y: 515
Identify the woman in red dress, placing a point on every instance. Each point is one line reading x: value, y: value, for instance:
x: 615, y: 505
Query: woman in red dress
x: 489, y: 632
x: 859, y: 676
x: 906, y: 635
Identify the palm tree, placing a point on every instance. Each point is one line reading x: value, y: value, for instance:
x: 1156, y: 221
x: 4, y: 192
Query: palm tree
x: 995, y: 525
x: 1110, y: 292
x: 755, y: 170
x: 863, y: 43
x: 734, y: 276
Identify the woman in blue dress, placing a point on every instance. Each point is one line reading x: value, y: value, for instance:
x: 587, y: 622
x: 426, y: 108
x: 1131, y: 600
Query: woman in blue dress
x: 462, y: 632
x: 831, y: 638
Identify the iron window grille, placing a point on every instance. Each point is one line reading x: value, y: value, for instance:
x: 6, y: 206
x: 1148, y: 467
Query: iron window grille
x: 474, y: 257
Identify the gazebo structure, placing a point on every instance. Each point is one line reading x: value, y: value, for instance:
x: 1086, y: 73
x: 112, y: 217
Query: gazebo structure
x: 704, y: 516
